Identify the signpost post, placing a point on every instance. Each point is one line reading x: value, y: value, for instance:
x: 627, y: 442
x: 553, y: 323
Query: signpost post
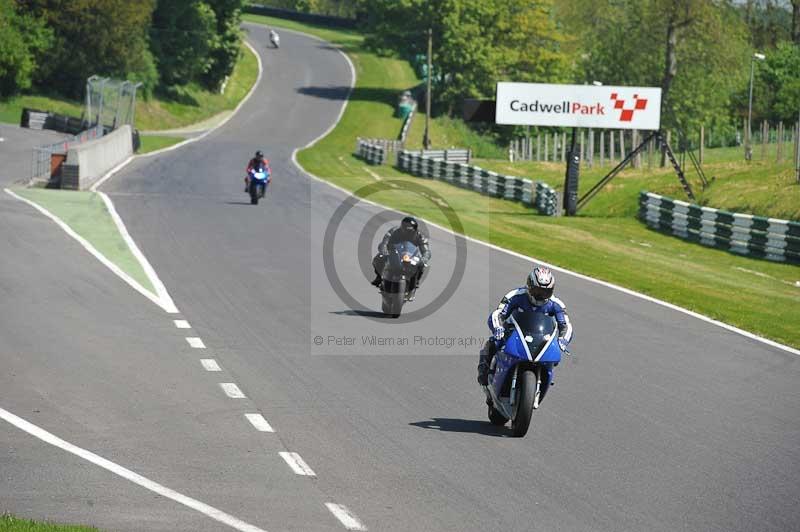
x: 589, y: 106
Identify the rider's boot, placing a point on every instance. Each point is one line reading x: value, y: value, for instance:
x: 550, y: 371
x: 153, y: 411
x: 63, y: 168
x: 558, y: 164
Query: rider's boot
x: 377, y: 280
x: 485, y: 360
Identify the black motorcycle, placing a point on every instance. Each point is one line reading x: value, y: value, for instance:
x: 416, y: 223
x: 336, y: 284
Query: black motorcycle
x: 400, y: 276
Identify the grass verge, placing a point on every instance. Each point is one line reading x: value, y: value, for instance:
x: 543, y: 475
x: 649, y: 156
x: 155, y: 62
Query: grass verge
x: 9, y: 523
x: 181, y: 107
x: 606, y: 243
x: 86, y: 214
x: 157, y: 142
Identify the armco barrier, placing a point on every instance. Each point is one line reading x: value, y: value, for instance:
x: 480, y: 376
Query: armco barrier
x: 88, y: 162
x: 536, y: 194
x: 745, y: 234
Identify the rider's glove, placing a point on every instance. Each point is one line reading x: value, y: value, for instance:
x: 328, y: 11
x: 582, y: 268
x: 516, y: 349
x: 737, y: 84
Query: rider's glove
x: 499, y: 333
x: 563, y: 345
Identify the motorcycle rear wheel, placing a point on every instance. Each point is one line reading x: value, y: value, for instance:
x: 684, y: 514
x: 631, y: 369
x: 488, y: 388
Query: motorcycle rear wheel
x: 496, y: 418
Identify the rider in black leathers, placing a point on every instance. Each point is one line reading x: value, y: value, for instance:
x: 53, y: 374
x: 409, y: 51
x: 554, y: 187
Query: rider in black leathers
x: 408, y: 231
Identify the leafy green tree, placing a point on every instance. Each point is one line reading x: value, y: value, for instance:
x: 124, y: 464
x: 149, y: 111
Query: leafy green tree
x: 475, y: 42
x: 226, y: 49
x: 23, y: 41
x: 103, y: 37
x: 776, y: 92
x: 696, y: 51
x: 182, y: 38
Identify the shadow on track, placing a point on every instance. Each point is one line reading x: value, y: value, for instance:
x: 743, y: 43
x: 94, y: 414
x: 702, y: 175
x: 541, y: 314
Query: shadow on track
x: 363, y: 313
x: 339, y: 93
x: 446, y: 424
x: 238, y: 203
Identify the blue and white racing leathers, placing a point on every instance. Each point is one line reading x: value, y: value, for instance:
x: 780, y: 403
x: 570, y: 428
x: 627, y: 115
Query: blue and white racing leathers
x: 518, y: 298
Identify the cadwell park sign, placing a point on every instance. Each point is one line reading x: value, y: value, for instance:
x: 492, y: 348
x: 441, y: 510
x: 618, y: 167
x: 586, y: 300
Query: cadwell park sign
x: 542, y: 104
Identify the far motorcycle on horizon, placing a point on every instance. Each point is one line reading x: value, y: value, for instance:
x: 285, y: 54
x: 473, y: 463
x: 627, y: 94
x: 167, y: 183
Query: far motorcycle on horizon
x: 521, y: 372
x: 400, y: 277
x: 258, y: 183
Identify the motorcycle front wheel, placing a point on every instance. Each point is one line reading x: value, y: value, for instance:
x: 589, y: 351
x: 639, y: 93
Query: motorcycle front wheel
x: 253, y: 193
x: 523, y: 403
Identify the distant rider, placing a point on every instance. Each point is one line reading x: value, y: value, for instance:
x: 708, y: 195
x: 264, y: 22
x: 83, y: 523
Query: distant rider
x: 537, y: 296
x: 274, y: 38
x: 257, y: 163
x: 407, y: 231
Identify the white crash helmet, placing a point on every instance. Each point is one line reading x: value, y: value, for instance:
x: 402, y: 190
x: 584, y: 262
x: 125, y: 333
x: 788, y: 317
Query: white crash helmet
x: 541, y: 284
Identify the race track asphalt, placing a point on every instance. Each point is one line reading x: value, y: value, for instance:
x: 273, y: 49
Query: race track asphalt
x: 659, y: 421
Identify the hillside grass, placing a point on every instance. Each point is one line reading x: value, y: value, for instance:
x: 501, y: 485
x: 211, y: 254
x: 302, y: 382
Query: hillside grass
x: 605, y: 242
x: 182, y: 107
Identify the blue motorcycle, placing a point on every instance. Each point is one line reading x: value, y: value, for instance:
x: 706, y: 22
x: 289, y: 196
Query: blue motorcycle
x: 259, y: 179
x: 522, y: 370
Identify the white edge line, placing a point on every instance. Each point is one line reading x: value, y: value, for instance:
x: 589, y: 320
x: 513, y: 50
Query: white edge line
x: 298, y: 465
x: 194, y: 504
x: 182, y: 324
x: 628, y: 291
x: 209, y: 364
x: 166, y: 301
x: 91, y: 249
x: 345, y: 516
x: 258, y: 421
x: 232, y: 391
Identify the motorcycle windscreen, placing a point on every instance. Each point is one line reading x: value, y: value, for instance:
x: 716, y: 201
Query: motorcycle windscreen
x: 540, y: 334
x: 399, y: 263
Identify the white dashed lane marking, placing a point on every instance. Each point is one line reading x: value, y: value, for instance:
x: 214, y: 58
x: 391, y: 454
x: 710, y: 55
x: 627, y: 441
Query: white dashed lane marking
x: 259, y: 422
x: 210, y: 364
x: 197, y: 343
x: 182, y: 324
x: 231, y: 390
x: 345, y: 516
x: 297, y: 464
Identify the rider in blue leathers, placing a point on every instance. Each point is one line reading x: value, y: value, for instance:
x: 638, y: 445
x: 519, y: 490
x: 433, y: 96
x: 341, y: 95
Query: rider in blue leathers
x: 536, y: 296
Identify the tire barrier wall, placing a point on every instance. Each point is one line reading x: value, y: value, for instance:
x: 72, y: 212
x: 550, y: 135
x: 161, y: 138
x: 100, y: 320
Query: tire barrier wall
x: 744, y: 234
x: 536, y: 194
x: 88, y: 162
x: 373, y: 153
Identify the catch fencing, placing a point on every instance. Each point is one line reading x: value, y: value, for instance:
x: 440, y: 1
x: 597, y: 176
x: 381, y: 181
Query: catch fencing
x: 536, y: 194
x: 744, y: 234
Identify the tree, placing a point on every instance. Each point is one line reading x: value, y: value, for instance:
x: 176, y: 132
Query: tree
x: 796, y: 21
x: 695, y: 50
x: 104, y: 37
x: 475, y: 43
x: 23, y: 41
x: 777, y: 87
x: 183, y: 35
x: 226, y: 49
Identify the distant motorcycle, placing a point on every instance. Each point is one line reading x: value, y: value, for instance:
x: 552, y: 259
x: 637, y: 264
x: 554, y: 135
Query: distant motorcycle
x: 399, y: 277
x: 259, y: 180
x: 275, y: 39
x: 522, y: 371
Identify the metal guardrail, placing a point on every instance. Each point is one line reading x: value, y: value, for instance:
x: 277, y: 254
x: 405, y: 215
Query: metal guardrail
x: 743, y: 234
